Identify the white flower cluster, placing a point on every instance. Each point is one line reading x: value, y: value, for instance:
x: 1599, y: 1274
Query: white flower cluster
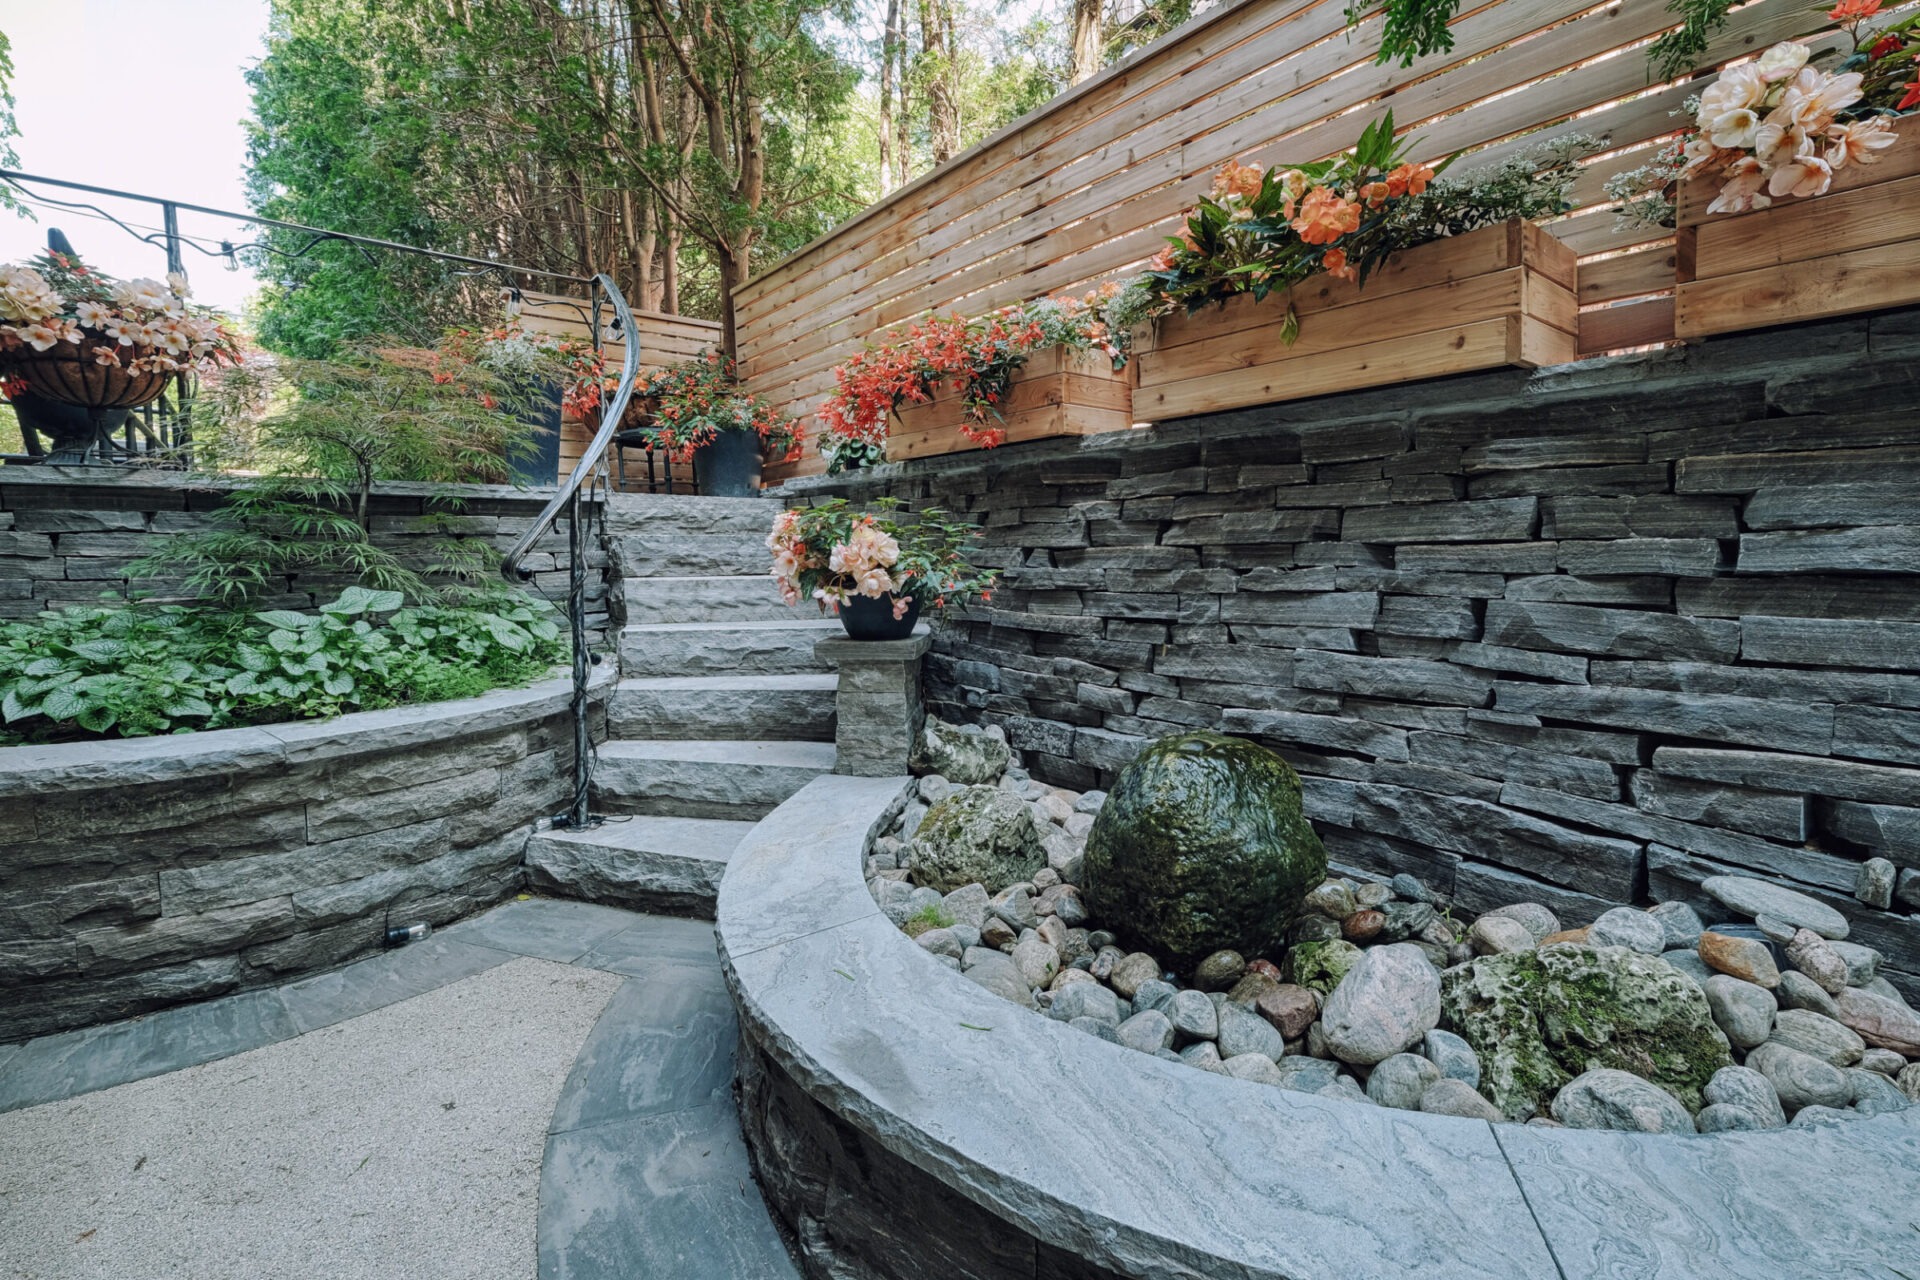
x: 148, y: 322
x: 1768, y: 128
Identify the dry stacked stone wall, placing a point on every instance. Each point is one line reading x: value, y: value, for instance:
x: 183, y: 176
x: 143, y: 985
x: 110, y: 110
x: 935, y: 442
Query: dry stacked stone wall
x: 70, y: 534
x: 1583, y: 636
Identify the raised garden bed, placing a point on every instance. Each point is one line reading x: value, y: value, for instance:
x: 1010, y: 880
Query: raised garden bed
x: 1060, y: 392
x: 1855, y: 248
x: 1499, y: 296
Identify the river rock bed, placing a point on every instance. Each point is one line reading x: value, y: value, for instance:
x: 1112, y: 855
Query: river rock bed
x: 1644, y: 1020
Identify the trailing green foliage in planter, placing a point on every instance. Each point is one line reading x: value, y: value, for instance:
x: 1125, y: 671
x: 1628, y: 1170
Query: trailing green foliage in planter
x: 134, y: 670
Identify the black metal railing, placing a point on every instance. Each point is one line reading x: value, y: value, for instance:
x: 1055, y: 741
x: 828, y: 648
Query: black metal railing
x: 568, y: 498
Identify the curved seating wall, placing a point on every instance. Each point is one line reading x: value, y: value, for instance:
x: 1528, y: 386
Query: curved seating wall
x: 147, y: 872
x: 905, y: 1123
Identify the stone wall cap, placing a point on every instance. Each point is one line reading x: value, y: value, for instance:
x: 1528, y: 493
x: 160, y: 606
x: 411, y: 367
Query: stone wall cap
x: 68, y: 767
x: 1154, y: 1168
x: 838, y: 649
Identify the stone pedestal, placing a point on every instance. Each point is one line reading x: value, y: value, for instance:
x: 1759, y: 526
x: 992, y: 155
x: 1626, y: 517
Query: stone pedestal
x: 879, y: 706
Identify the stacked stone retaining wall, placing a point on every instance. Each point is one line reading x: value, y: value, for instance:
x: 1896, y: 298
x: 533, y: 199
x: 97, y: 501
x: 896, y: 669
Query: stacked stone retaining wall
x: 146, y: 872
x: 1582, y: 636
x: 70, y: 534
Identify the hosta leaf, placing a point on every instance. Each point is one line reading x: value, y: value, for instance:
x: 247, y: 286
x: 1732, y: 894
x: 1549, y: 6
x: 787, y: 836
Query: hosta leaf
x: 189, y: 707
x: 288, y: 620
x: 357, y: 600
x: 62, y: 704
x: 244, y: 683
x: 253, y: 659
x: 101, y: 650
x: 14, y: 707
x: 45, y: 667
x: 283, y: 641
x: 338, y: 684
x: 97, y: 719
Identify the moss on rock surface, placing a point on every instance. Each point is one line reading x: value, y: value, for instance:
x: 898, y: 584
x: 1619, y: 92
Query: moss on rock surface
x: 977, y: 835
x: 1319, y: 965
x: 1202, y: 846
x: 1539, y: 1018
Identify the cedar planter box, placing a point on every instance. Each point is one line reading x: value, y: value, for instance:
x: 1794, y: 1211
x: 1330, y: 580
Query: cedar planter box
x: 1058, y: 392
x: 1855, y: 248
x: 1499, y: 296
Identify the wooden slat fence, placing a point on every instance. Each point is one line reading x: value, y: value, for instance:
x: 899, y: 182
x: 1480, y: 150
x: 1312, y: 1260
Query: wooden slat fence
x: 664, y: 340
x: 1084, y: 189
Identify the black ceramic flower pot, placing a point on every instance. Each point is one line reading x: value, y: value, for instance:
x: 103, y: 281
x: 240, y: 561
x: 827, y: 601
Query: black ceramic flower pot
x: 728, y: 466
x: 866, y: 618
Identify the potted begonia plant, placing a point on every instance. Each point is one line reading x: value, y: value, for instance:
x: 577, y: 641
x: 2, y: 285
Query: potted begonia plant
x: 700, y: 413
x: 876, y: 571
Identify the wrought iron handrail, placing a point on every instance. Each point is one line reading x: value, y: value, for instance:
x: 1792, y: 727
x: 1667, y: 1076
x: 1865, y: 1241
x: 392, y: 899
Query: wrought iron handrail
x: 567, y: 498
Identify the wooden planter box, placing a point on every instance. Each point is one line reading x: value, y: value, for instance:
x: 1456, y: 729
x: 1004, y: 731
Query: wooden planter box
x: 1057, y: 393
x: 1855, y: 248
x: 1502, y: 295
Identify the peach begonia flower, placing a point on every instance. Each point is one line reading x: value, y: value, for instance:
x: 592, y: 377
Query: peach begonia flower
x: 900, y: 607
x: 1848, y: 12
x: 1812, y: 97
x: 39, y: 335
x: 1375, y: 194
x: 1804, y: 175
x: 106, y: 355
x: 1409, y: 179
x: 1238, y: 181
x: 1782, y: 61
x: 1733, y: 129
x: 1336, y: 265
x: 1744, y: 188
x: 1738, y: 87
x: 1855, y: 143
x: 92, y: 315
x: 1775, y: 145
x: 1161, y: 261
x: 1325, y: 216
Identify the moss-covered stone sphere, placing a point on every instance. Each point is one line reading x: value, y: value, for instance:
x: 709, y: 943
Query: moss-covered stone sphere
x: 1201, y: 847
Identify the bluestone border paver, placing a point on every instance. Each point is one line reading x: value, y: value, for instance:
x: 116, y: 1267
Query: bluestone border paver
x: 549, y: 928
x: 378, y: 981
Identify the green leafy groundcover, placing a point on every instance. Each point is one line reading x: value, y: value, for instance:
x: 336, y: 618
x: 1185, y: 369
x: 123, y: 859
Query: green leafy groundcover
x: 129, y: 670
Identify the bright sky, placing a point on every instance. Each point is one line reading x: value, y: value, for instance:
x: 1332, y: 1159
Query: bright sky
x: 142, y: 97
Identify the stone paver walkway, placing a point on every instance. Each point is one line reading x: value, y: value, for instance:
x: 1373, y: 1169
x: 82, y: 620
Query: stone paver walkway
x: 542, y: 1090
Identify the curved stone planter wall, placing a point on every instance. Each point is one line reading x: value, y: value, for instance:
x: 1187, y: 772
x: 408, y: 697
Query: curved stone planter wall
x: 905, y: 1123
x: 150, y: 871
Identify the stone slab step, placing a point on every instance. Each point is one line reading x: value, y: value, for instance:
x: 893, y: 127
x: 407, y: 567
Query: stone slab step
x: 722, y: 648
x: 675, y: 555
x: 660, y: 513
x: 646, y: 863
x: 733, y: 598
x: 744, y: 706
x: 705, y: 778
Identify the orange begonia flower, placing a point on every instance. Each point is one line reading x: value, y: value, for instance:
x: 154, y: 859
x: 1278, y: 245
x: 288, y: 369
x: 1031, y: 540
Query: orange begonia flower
x: 1238, y: 180
x: 1336, y: 265
x: 1325, y: 216
x: 1853, y: 10
x: 1409, y: 179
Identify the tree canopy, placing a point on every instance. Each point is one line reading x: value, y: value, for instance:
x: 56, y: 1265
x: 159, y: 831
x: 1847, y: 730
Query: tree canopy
x: 679, y: 145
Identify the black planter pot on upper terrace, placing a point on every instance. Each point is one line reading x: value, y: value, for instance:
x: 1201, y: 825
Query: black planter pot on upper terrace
x: 728, y: 466
x: 866, y: 618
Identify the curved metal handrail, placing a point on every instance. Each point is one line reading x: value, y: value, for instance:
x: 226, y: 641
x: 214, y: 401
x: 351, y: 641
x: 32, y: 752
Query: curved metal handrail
x: 513, y: 567
x: 567, y: 498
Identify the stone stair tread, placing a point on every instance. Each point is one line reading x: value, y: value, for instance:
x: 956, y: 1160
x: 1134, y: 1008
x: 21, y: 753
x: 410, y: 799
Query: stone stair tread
x: 706, y: 839
x: 803, y: 620
x: 723, y: 751
x: 799, y: 680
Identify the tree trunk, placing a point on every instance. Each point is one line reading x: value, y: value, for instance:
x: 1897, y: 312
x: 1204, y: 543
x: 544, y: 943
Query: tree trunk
x: 889, y: 50
x: 1087, y: 40
x: 943, y: 113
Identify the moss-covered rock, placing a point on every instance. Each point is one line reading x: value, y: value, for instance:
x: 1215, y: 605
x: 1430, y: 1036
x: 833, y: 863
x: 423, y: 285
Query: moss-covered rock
x: 1539, y: 1018
x: 977, y: 835
x: 1319, y: 965
x: 1202, y: 847
x: 963, y: 754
